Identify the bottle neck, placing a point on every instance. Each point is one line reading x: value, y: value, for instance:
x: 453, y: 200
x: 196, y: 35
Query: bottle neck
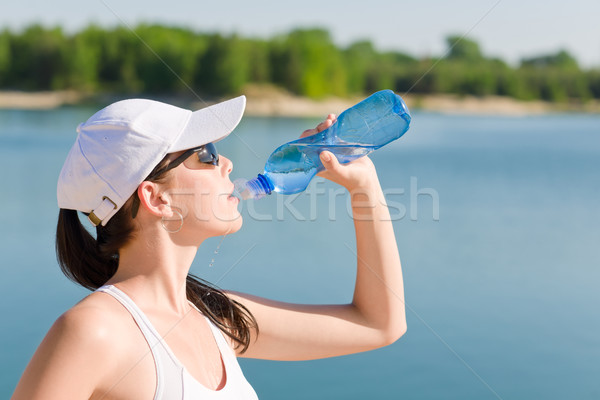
x: 259, y: 187
x: 266, y: 183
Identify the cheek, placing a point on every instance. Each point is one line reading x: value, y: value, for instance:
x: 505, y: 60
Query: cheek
x: 202, y: 204
x: 192, y: 196
x: 211, y: 204
x: 205, y: 203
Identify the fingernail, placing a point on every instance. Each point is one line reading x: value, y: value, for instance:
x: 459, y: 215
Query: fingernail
x: 325, y: 157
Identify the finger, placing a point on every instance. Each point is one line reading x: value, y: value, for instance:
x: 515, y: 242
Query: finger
x: 329, y: 160
x: 323, y: 125
x: 326, y: 124
x: 330, y: 120
x: 308, y: 132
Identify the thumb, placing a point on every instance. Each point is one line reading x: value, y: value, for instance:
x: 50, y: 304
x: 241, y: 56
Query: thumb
x: 329, y: 160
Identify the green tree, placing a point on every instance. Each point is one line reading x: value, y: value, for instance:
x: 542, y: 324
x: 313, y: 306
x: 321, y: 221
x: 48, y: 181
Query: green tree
x: 461, y: 48
x: 166, y: 57
x: 593, y: 78
x: 555, y: 77
x: 84, y: 57
x: 122, y: 49
x: 258, y: 58
x: 381, y: 73
x: 478, y: 80
x: 507, y: 83
x: 5, y: 57
x: 38, y: 59
x: 358, y: 60
x: 310, y: 64
x: 562, y: 59
x: 422, y: 76
x: 224, y: 67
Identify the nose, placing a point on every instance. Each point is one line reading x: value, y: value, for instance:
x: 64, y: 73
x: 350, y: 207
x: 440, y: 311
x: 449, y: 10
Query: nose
x: 227, y: 164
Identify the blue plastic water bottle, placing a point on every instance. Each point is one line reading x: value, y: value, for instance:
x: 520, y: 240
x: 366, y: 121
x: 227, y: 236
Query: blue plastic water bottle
x: 361, y: 129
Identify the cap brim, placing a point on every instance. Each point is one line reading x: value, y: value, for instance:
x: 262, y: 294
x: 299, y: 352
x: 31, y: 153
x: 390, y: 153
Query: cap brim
x: 210, y: 124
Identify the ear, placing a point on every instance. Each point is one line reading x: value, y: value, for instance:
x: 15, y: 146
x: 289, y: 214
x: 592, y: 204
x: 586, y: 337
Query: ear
x: 151, y: 199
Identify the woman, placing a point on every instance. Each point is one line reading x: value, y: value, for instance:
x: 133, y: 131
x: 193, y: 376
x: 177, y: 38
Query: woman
x: 148, y: 176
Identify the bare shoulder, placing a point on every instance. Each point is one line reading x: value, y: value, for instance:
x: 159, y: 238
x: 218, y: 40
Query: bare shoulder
x: 97, y: 318
x: 99, y: 305
x: 94, y: 328
x: 77, y: 353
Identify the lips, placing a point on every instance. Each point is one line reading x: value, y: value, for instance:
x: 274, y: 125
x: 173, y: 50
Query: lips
x: 233, y: 195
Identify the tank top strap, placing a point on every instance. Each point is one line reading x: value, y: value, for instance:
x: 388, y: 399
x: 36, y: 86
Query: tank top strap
x: 168, y: 371
x: 140, y: 318
x: 172, y: 378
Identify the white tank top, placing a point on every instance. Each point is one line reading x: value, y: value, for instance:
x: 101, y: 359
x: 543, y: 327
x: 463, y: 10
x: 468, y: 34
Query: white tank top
x: 173, y: 381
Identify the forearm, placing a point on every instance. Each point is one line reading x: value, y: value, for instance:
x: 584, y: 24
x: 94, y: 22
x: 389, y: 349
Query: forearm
x: 373, y: 319
x: 379, y: 291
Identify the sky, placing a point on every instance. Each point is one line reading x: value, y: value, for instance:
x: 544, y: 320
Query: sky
x: 508, y: 29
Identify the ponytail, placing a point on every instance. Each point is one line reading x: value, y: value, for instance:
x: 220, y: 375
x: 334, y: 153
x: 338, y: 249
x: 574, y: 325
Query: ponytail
x: 79, y: 255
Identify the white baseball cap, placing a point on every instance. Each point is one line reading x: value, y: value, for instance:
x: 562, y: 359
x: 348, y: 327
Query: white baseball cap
x: 121, y: 144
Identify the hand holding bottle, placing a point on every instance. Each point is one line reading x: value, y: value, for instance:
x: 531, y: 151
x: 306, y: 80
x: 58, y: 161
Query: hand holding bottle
x: 330, y: 120
x: 361, y: 129
x: 358, y: 174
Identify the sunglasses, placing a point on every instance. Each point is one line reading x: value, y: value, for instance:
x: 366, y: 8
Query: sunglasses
x: 206, y: 154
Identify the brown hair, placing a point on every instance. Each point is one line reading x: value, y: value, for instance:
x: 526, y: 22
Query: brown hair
x: 91, y: 262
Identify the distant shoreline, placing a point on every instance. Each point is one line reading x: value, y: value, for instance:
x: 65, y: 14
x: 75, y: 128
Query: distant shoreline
x: 272, y: 101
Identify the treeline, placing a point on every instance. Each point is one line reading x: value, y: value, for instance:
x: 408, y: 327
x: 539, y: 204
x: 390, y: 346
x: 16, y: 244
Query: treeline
x: 159, y: 59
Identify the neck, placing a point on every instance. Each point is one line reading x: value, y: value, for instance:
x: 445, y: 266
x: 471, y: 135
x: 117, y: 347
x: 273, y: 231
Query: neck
x: 153, y: 268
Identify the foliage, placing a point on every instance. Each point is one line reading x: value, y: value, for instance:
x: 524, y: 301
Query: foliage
x: 307, y: 62
x: 461, y: 48
x: 174, y: 60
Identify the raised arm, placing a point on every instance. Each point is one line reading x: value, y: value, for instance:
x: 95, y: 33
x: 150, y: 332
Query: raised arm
x: 376, y: 315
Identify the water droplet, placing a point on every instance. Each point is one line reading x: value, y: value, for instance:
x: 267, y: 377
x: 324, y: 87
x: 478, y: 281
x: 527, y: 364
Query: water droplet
x: 212, y: 262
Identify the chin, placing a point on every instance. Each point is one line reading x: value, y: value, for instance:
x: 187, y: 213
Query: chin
x: 227, y: 227
x: 236, y: 225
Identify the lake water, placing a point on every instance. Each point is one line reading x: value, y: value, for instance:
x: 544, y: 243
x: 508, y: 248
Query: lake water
x: 497, y: 221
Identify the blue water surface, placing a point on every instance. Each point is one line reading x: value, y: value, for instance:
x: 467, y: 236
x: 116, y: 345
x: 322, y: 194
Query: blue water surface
x: 496, y: 219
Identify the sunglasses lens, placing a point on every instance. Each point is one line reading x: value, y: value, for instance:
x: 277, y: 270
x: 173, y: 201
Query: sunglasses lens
x: 208, y: 154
